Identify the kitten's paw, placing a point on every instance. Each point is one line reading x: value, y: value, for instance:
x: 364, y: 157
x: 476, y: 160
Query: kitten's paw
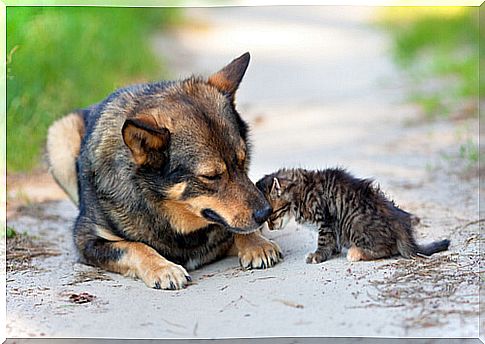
x: 355, y: 254
x: 257, y: 252
x: 316, y: 257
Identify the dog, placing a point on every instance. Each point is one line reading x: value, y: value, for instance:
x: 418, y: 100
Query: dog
x: 159, y: 172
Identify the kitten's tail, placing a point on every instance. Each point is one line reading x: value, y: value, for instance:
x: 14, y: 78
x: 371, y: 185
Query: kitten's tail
x: 434, y: 247
x: 407, y: 246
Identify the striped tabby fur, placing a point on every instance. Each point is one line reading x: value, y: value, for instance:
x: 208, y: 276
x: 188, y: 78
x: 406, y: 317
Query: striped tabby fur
x: 347, y: 211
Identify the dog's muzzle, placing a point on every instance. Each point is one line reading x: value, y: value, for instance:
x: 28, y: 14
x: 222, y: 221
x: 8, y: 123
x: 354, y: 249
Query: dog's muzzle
x: 259, y: 217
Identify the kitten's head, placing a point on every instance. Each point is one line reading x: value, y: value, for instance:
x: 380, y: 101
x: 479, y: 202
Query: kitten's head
x: 276, y: 188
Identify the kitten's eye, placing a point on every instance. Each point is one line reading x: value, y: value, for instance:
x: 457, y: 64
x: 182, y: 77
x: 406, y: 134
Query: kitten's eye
x: 211, y: 177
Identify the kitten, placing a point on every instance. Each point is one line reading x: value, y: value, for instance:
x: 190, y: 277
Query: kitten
x: 348, y: 212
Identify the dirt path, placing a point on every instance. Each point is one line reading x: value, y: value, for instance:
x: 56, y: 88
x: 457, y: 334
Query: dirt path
x: 320, y: 91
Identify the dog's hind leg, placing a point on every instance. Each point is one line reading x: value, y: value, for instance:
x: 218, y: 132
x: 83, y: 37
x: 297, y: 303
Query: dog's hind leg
x: 63, y: 146
x: 356, y: 253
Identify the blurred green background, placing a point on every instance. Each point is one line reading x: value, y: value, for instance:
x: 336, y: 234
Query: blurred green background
x: 438, y: 49
x: 64, y: 58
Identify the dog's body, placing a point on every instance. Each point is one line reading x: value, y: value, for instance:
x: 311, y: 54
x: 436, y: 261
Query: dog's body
x: 160, y: 175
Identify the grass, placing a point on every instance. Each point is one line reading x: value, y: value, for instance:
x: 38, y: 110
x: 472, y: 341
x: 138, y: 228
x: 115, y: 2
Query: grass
x: 63, y: 58
x: 7, y: 232
x: 11, y: 232
x: 438, y: 48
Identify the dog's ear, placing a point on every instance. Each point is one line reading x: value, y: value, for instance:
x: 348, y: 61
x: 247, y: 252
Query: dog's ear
x: 227, y: 80
x: 147, y: 143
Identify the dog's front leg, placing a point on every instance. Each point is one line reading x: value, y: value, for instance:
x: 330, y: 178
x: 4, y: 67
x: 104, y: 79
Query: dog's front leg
x: 134, y: 259
x: 255, y: 251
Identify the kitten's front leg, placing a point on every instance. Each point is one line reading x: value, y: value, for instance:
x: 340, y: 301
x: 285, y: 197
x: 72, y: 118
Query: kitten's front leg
x: 327, y: 245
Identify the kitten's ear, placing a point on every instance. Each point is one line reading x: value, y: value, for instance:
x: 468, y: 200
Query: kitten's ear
x: 276, y: 187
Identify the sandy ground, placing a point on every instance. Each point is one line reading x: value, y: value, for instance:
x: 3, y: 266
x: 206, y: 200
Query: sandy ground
x: 320, y: 91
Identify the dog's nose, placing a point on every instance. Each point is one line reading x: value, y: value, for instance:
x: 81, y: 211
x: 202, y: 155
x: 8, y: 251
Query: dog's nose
x: 262, y: 214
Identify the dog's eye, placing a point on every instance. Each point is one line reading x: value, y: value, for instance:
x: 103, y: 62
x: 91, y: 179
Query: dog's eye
x: 212, y: 177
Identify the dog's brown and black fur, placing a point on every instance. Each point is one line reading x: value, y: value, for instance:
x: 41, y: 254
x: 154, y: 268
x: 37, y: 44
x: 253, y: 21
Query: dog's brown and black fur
x: 347, y: 212
x: 159, y: 172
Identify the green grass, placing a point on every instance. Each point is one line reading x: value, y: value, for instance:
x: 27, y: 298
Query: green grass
x: 7, y: 232
x: 439, y: 50
x: 11, y: 232
x: 64, y: 58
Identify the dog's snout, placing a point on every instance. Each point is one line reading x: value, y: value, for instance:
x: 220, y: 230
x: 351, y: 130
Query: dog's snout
x: 262, y: 214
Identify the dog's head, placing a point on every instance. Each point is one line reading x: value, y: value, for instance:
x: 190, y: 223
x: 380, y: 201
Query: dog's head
x: 190, y: 149
x: 278, y: 190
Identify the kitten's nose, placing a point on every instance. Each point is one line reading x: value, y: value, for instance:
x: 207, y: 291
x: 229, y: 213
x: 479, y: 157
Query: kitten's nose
x: 262, y: 214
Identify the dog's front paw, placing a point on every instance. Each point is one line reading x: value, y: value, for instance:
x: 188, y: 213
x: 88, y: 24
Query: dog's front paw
x: 316, y: 257
x: 166, y: 275
x: 262, y: 256
x: 257, y: 252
